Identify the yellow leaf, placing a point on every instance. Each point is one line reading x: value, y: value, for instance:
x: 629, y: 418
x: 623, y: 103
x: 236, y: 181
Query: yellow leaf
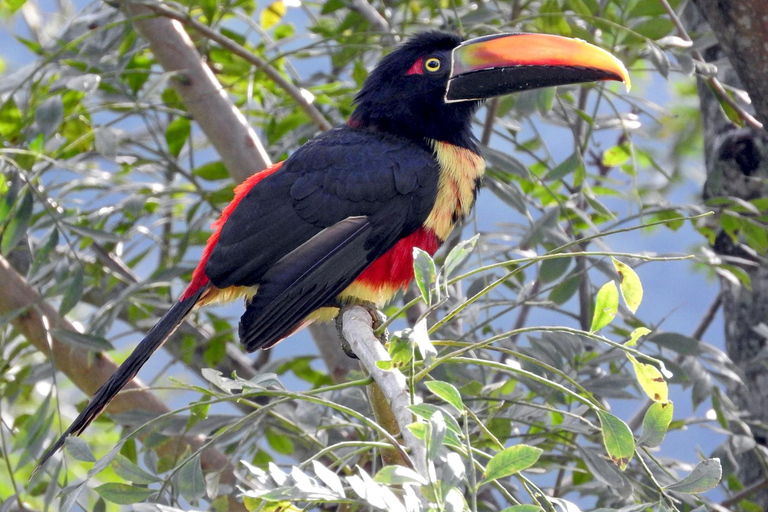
x: 272, y: 14
x: 631, y: 288
x: 636, y: 335
x: 651, y: 380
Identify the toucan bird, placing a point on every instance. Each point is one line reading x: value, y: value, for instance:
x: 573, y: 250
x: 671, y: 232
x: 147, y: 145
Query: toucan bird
x: 337, y: 221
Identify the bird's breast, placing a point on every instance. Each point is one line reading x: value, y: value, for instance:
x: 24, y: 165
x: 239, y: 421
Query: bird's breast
x: 460, y: 172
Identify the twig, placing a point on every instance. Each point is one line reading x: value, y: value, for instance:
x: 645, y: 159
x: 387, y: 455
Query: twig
x: 374, y: 17
x: 490, y: 117
x: 240, y: 51
x: 87, y: 371
x: 712, y: 81
x: 207, y: 102
x: 358, y: 333
x: 755, y: 487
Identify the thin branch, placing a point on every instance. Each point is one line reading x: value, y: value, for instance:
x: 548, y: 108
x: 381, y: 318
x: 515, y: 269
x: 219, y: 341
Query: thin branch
x: 34, y: 318
x: 358, y: 333
x: 736, y: 498
x: 166, y: 12
x: 712, y: 81
x: 378, y: 22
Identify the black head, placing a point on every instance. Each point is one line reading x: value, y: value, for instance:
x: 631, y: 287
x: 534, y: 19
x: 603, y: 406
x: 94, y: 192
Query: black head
x: 430, y: 87
x: 405, y: 93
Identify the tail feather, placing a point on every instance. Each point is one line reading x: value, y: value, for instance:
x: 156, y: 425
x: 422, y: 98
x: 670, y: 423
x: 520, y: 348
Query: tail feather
x: 128, y: 370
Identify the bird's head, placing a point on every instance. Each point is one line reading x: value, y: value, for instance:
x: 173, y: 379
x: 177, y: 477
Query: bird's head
x: 430, y: 86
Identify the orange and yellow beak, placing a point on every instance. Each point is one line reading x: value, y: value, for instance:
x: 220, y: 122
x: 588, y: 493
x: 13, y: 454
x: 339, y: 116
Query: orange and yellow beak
x: 501, y: 64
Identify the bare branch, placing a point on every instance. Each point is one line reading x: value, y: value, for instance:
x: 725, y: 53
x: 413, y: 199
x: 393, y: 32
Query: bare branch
x: 374, y: 17
x: 358, y: 333
x: 34, y: 318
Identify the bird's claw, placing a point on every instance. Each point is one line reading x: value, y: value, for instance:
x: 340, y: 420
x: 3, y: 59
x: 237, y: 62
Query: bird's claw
x: 377, y: 320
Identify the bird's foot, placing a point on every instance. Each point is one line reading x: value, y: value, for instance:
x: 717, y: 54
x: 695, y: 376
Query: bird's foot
x: 377, y: 317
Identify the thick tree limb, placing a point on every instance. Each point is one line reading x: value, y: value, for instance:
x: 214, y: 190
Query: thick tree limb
x: 35, y: 318
x: 358, y: 333
x: 223, y: 124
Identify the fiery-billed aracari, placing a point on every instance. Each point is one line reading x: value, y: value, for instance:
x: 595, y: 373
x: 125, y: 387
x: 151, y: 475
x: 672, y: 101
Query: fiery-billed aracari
x: 338, y: 220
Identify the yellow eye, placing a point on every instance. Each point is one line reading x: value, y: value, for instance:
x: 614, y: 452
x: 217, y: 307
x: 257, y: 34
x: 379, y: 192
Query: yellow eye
x: 432, y: 64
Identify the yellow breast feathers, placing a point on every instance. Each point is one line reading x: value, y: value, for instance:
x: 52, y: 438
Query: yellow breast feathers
x: 460, y: 170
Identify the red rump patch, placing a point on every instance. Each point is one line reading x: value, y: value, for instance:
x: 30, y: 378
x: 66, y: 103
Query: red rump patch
x: 417, y: 68
x: 199, y: 279
x: 395, y: 268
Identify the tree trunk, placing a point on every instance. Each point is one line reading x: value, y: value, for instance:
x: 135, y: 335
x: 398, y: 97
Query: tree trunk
x: 737, y: 167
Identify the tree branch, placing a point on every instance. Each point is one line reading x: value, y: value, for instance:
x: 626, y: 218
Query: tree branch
x: 168, y: 16
x: 712, y: 81
x: 358, y: 333
x: 34, y: 318
x: 227, y: 129
x: 377, y: 21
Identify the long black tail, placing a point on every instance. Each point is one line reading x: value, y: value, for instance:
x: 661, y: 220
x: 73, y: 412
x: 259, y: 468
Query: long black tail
x: 128, y: 370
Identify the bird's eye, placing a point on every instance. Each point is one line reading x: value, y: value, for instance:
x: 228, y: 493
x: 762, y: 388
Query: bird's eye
x: 432, y: 64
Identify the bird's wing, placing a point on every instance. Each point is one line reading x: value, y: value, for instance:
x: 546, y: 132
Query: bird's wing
x: 304, y: 233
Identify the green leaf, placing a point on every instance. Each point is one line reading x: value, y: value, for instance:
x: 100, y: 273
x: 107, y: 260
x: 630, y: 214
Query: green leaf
x: 510, y: 461
x: 552, y: 269
x: 458, y: 255
x: 400, y: 351
x: 272, y: 14
x: 176, y: 134
x: 82, y: 340
x: 447, y: 392
x: 680, y: 343
x: 10, y: 119
x: 79, y: 449
x: 212, y: 171
x: 522, y: 508
x: 656, y: 423
x: 616, y: 155
x: 564, y: 290
x: 606, y: 305
x: 617, y: 438
x: 191, y: 482
x: 73, y: 294
x: 18, y: 225
x: 630, y: 285
x: 397, y: 475
x: 424, y: 272
x: 565, y: 167
x: 280, y: 443
x: 705, y: 476
x: 124, y: 494
x: 127, y: 470
x: 651, y: 380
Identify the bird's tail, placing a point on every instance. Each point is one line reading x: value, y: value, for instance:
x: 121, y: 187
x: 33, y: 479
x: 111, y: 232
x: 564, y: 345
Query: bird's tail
x: 151, y: 342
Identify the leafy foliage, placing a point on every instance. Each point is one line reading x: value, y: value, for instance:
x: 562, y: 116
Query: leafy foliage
x: 108, y: 189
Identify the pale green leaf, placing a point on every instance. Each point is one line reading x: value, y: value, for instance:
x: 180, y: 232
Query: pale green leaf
x: 606, y: 305
x: 617, y: 438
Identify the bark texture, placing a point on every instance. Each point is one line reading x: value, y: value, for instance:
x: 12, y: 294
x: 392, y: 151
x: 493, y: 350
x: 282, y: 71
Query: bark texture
x: 737, y: 167
x: 741, y: 27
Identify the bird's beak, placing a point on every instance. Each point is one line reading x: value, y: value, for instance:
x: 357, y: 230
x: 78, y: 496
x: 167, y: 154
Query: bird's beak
x: 501, y: 64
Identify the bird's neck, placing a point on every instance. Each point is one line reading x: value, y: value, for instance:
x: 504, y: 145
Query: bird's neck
x: 461, y: 171
x: 421, y: 127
